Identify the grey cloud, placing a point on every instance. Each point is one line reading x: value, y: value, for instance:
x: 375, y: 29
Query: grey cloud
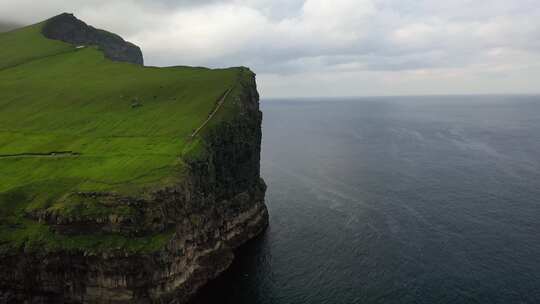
x: 388, y: 43
x: 6, y: 26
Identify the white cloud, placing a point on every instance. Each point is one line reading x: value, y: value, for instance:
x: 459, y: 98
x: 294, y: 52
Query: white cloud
x: 321, y: 47
x: 202, y: 34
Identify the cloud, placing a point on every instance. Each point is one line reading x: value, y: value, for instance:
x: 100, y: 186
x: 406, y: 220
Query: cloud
x: 7, y: 26
x: 312, y: 47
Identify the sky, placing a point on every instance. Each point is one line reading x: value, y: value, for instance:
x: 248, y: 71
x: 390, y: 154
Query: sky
x: 317, y: 48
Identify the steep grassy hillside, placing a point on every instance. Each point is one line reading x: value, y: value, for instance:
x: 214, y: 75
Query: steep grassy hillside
x: 73, y: 121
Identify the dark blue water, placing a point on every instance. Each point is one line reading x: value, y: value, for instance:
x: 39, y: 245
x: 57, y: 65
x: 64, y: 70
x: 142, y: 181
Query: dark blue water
x: 396, y: 200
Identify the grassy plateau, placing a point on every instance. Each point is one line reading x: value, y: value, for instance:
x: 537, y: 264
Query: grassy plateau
x: 73, y: 121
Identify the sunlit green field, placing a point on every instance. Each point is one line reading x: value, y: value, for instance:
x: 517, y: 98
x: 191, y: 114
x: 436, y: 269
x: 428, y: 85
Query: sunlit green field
x: 126, y: 126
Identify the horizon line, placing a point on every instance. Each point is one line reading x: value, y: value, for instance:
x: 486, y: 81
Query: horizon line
x: 403, y: 95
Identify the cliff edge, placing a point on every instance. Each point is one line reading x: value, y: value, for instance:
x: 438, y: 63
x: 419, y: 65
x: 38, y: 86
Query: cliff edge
x: 122, y: 184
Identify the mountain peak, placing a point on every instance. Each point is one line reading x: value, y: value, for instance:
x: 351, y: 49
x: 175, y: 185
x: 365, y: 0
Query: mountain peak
x: 68, y: 28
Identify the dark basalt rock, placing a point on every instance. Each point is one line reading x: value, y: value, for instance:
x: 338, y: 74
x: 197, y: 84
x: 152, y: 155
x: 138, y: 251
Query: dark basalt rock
x: 68, y: 28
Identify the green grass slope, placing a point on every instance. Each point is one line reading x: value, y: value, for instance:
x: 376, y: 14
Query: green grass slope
x: 122, y: 128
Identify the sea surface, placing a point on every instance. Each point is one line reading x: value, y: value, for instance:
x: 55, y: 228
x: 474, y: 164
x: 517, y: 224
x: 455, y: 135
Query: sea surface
x: 395, y: 200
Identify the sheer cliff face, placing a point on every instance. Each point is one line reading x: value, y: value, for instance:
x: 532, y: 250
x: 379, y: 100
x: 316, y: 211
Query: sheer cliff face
x: 67, y: 28
x: 218, y: 207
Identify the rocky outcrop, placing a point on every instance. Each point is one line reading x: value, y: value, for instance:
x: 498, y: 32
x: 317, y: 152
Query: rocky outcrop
x: 217, y: 207
x: 68, y: 28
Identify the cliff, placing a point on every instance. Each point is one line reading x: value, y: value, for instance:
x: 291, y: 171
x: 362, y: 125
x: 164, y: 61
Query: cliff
x: 143, y: 214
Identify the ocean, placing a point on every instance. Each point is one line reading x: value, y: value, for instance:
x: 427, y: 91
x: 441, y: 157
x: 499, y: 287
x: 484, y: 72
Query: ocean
x: 431, y: 199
